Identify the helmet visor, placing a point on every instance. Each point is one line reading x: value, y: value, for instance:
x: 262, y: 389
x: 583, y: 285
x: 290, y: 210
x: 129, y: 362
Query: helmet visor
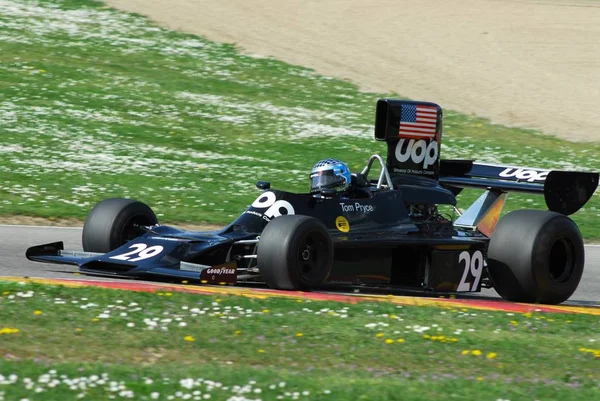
x: 324, y: 180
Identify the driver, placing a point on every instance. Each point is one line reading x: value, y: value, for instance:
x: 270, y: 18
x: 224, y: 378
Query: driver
x: 331, y: 174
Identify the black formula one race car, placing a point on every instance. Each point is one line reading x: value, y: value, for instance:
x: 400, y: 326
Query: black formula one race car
x: 388, y: 233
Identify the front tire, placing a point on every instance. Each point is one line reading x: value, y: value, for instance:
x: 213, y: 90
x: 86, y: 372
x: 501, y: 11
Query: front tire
x: 114, y: 222
x: 295, y: 253
x: 536, y: 256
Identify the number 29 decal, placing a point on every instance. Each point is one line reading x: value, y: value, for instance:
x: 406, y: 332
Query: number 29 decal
x: 473, y: 265
x: 141, y: 252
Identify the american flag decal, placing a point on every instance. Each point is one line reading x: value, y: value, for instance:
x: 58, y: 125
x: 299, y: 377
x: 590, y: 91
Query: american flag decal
x: 418, y: 121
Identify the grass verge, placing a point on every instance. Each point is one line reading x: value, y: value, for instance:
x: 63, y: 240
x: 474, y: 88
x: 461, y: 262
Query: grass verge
x: 59, y: 343
x: 96, y: 103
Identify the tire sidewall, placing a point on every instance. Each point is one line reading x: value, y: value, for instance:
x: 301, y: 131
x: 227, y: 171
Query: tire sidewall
x: 548, y: 289
x: 519, y: 256
x: 305, y: 229
x: 278, y: 249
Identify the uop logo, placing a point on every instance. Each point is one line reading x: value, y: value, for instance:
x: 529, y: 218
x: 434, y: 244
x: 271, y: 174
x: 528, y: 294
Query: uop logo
x: 275, y: 207
x: 524, y: 174
x: 418, y: 151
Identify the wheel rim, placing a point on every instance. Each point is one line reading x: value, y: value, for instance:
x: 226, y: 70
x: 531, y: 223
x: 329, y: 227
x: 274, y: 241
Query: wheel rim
x: 313, y: 258
x: 562, y: 260
x: 131, y: 229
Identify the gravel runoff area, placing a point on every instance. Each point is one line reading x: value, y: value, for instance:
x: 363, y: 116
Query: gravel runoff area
x: 526, y: 63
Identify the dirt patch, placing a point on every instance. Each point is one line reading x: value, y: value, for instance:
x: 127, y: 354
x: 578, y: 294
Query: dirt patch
x: 526, y: 63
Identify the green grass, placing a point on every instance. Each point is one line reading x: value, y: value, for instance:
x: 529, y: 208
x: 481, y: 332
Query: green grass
x: 96, y: 103
x: 335, y: 351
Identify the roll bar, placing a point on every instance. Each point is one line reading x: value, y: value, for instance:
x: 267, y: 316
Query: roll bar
x: 384, y: 171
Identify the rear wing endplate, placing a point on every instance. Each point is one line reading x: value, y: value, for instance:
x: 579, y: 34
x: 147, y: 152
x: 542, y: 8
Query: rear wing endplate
x: 564, y: 191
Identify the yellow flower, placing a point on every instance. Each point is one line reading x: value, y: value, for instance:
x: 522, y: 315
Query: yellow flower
x: 237, y: 332
x: 189, y: 338
x: 78, y: 330
x: 95, y: 319
x: 168, y: 294
x: 401, y: 340
x: 389, y: 341
x: 299, y: 301
x: 266, y: 311
x: 379, y: 335
x: 261, y: 351
x: 299, y: 334
x: 8, y: 330
x: 528, y: 314
x: 38, y: 312
x: 491, y: 355
x: 514, y: 322
x: 6, y: 293
x: 393, y: 317
x: 466, y: 352
x: 550, y: 320
x: 476, y: 352
x: 480, y: 379
x: 426, y: 336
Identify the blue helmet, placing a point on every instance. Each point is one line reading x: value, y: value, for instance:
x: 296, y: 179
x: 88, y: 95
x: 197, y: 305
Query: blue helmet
x: 330, y: 174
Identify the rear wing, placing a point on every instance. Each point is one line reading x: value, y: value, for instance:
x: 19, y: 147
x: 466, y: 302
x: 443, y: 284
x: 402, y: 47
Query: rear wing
x: 564, y: 191
x: 413, y: 134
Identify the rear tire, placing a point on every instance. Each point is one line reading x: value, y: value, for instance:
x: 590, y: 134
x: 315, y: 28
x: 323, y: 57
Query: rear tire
x: 536, y: 256
x: 295, y: 253
x: 114, y: 222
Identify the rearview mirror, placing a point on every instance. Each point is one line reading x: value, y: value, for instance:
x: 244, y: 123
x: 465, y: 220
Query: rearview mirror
x: 264, y: 185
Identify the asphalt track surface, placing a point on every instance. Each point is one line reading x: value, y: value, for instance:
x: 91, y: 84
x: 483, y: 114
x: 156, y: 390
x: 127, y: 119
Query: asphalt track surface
x: 15, y: 240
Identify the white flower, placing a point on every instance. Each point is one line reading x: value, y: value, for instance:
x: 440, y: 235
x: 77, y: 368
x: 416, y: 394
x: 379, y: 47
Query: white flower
x: 187, y: 383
